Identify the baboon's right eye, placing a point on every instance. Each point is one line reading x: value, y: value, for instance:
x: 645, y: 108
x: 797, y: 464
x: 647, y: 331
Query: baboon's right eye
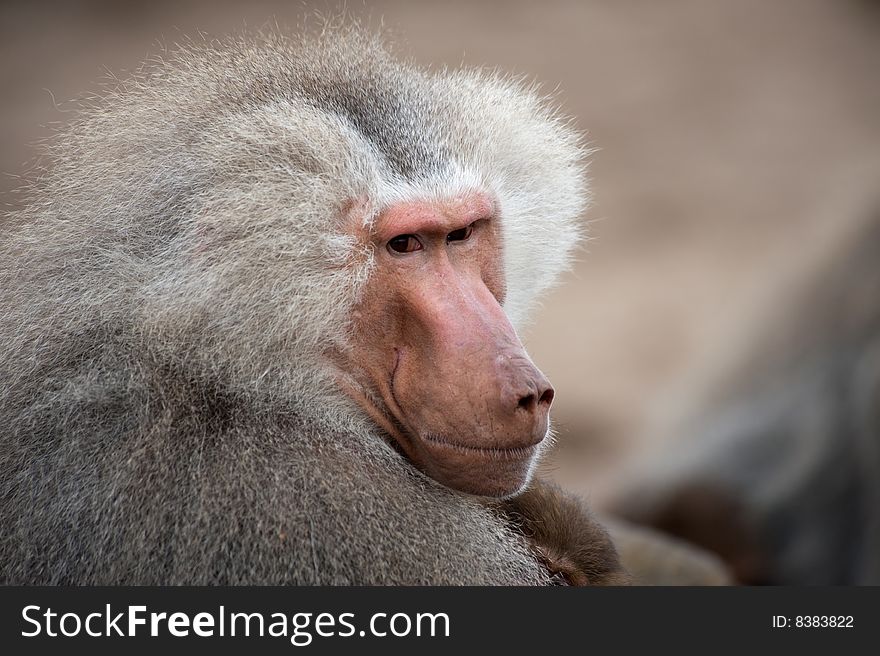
x: 462, y: 234
x: 404, y: 244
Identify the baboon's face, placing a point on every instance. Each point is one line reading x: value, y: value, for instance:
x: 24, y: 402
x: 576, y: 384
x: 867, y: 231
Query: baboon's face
x: 435, y: 359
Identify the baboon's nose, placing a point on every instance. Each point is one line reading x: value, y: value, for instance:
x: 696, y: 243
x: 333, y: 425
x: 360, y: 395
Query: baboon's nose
x: 531, y: 393
x: 533, y: 401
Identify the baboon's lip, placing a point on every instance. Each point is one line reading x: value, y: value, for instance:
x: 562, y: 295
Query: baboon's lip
x: 515, y: 452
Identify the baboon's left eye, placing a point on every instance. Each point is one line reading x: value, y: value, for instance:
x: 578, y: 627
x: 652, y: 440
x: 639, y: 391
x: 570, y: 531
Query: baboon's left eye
x: 461, y: 234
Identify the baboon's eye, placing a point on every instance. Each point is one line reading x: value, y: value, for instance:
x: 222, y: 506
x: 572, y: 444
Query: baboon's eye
x: 404, y: 244
x: 461, y: 234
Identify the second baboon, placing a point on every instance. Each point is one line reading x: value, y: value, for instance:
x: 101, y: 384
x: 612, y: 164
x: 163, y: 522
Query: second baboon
x: 777, y: 466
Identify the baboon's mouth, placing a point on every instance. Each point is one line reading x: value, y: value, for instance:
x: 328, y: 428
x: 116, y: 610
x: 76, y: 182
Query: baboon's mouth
x: 514, y: 452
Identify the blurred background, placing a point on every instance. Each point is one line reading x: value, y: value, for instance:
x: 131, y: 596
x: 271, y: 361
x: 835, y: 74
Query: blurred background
x: 715, y: 348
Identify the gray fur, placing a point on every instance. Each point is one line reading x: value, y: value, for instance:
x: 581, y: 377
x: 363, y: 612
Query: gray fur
x: 165, y: 300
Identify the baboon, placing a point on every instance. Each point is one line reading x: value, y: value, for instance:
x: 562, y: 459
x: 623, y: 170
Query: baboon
x: 257, y: 328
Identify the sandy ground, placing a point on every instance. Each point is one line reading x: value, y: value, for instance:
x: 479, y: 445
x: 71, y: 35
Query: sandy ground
x: 737, y: 141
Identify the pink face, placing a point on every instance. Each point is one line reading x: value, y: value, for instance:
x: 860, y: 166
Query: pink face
x: 435, y: 360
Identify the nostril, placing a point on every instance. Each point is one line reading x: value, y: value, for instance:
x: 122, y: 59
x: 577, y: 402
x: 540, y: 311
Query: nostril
x: 532, y: 402
x: 527, y: 402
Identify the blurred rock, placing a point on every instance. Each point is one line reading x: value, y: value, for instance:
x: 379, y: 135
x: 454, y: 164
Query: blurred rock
x: 778, y: 471
x: 654, y: 558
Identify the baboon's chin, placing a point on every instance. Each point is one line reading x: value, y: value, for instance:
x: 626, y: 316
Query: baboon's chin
x: 483, y: 472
